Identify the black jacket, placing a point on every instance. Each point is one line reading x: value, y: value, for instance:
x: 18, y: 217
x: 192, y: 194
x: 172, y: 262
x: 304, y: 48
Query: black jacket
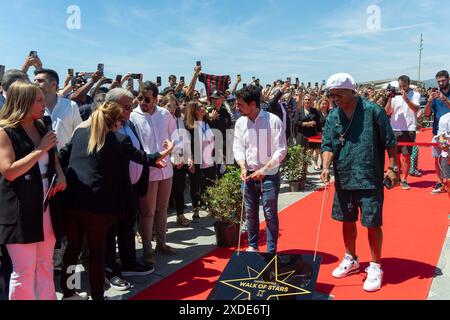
x: 306, y: 132
x: 21, y: 200
x: 98, y: 182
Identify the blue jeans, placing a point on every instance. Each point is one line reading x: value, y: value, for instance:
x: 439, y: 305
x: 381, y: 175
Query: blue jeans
x: 269, y: 194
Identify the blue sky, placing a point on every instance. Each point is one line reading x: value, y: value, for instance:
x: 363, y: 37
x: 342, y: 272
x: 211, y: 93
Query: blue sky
x: 269, y: 39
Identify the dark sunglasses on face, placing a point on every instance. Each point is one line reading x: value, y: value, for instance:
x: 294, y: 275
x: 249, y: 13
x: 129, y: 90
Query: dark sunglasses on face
x: 145, y: 99
x: 333, y: 96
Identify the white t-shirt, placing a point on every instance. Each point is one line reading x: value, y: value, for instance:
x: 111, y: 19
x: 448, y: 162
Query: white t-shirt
x: 403, y: 118
x: 444, y: 128
x: 66, y: 118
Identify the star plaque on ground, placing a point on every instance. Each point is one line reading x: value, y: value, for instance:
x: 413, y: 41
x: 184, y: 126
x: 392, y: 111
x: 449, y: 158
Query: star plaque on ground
x: 256, y: 276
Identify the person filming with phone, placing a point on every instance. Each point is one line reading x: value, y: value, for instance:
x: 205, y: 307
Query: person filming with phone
x: 355, y: 138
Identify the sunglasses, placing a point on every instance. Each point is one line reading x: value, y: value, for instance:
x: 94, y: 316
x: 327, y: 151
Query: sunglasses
x: 333, y: 96
x: 145, y: 99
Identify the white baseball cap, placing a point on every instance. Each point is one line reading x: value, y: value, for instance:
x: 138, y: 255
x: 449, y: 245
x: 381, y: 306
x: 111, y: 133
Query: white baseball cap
x: 341, y: 81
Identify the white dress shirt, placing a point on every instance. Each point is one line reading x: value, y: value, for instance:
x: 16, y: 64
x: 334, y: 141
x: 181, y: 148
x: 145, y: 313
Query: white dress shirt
x: 153, y: 130
x: 66, y: 118
x: 259, y: 142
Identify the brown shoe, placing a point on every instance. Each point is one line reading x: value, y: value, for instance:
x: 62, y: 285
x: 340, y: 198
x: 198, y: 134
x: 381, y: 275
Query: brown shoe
x: 196, y: 216
x: 165, y: 250
x: 183, y: 221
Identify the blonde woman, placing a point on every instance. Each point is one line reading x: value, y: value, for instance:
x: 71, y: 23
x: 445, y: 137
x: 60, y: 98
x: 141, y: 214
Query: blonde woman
x: 201, y: 167
x: 97, y: 159
x: 27, y: 163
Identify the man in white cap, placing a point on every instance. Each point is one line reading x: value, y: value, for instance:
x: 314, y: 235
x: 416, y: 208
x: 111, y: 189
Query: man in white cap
x: 355, y: 138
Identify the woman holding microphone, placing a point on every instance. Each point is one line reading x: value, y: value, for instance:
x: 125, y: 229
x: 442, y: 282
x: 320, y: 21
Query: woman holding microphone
x: 27, y: 166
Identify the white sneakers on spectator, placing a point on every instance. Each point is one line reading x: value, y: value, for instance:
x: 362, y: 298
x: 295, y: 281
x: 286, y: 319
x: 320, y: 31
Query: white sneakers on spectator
x: 374, y: 278
x: 251, y: 249
x: 348, y: 266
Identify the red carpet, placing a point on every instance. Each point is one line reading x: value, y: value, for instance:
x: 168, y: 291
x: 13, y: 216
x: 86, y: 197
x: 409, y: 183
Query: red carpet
x: 415, y: 225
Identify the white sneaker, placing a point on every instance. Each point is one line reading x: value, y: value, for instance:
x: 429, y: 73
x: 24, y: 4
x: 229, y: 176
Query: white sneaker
x: 78, y: 297
x: 374, y: 279
x: 347, y: 267
x: 251, y: 249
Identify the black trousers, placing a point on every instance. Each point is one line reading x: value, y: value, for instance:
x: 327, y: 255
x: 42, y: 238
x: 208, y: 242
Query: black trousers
x: 5, y: 272
x: 125, y: 231
x: 76, y: 224
x: 200, y: 181
x: 178, y: 186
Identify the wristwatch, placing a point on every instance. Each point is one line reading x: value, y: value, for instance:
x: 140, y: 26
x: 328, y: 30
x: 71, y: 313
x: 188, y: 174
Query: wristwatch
x: 394, y: 169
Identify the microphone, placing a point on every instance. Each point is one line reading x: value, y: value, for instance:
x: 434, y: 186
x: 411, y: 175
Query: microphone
x: 48, y: 124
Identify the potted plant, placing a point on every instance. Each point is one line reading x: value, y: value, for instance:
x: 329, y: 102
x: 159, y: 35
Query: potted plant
x: 295, y: 167
x: 224, y: 202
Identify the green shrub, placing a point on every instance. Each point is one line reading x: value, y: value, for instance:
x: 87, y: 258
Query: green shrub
x: 294, y: 167
x: 224, y: 198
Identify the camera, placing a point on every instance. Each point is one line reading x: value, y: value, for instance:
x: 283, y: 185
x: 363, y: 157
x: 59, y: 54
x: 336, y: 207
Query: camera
x: 33, y: 54
x: 435, y: 90
x: 158, y: 80
x: 182, y: 79
x: 119, y: 78
x: 108, y: 81
x: 135, y: 76
x: 101, y: 67
x: 70, y: 72
x: 392, y: 92
x: 199, y: 64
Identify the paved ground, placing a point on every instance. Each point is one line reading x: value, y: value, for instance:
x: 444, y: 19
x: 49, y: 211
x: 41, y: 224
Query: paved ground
x: 199, y: 239
x: 440, y: 290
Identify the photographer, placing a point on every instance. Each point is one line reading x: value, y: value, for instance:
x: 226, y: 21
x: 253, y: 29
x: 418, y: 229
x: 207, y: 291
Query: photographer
x: 439, y: 105
x: 402, y: 107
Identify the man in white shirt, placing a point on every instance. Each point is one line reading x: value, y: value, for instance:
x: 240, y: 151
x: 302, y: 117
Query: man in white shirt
x: 259, y: 149
x: 403, y: 111
x: 154, y: 125
x: 64, y: 112
x: 444, y: 140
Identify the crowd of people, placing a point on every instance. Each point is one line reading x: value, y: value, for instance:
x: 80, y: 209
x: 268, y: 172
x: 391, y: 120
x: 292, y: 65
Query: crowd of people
x: 88, y: 164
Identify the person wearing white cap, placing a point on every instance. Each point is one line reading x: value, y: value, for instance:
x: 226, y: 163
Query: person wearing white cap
x: 355, y: 138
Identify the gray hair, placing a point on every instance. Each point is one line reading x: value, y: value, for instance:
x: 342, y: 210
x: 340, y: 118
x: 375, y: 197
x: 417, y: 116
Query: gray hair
x: 12, y: 76
x: 116, y: 94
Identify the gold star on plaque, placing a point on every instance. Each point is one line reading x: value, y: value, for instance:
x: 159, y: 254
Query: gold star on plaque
x: 256, y: 286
